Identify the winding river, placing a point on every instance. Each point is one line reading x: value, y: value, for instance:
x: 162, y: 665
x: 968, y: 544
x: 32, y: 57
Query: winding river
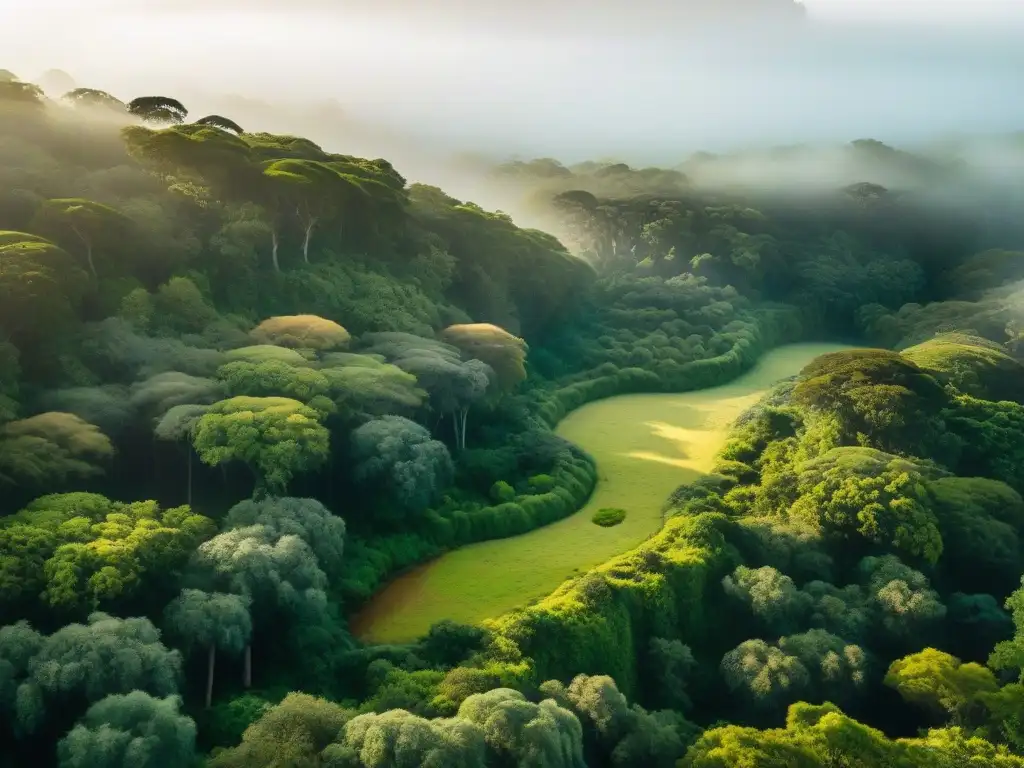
x: 645, y: 446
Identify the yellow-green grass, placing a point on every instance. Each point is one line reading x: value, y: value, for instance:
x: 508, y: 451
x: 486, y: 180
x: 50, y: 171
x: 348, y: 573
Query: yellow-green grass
x: 645, y: 447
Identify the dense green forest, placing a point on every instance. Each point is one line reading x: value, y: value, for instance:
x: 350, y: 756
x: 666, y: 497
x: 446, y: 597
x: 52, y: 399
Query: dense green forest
x: 245, y: 380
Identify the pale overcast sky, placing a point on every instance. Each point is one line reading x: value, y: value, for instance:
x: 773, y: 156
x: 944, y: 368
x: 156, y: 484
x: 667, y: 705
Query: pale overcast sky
x: 514, y: 81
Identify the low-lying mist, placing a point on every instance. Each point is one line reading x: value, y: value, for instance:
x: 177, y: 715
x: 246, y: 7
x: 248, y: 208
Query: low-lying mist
x: 629, y: 81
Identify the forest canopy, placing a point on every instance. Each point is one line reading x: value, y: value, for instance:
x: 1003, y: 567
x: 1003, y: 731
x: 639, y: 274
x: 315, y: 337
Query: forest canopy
x: 246, y: 379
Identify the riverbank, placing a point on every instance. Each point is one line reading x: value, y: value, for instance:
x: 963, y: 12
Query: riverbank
x: 645, y: 446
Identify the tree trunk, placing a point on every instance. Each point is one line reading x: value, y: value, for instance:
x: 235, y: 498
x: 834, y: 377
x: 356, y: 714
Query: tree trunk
x: 247, y: 672
x: 88, y: 258
x: 309, y: 236
x: 88, y: 250
x: 465, y: 417
x: 455, y: 426
x: 273, y: 250
x: 189, y: 495
x: 210, y: 662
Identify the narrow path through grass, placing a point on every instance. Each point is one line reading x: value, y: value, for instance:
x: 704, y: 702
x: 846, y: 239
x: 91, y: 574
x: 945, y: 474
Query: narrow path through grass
x: 645, y: 447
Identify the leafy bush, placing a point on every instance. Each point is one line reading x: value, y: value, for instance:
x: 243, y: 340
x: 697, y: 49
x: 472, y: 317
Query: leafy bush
x: 608, y: 516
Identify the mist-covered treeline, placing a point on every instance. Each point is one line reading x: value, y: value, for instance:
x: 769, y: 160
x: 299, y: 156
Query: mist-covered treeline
x: 244, y: 379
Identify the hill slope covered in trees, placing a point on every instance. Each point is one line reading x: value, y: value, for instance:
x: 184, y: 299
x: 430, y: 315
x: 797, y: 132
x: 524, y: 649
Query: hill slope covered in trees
x: 244, y: 379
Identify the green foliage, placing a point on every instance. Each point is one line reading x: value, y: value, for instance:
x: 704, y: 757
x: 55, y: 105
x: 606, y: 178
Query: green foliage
x: 608, y: 517
x: 81, y: 664
x: 1009, y: 654
x: 515, y: 729
x: 656, y: 590
x: 224, y: 123
x: 301, y: 332
x: 51, y: 447
x: 764, y: 675
x: 139, y: 260
x: 815, y: 735
x: 979, y: 520
x: 93, y: 228
x: 308, y: 519
x: 132, y: 728
x: 276, y: 436
x: 991, y: 434
x: 40, y: 280
x: 940, y: 683
x: 880, y: 399
x: 74, y: 553
x: 158, y: 109
x: 397, y: 738
x: 986, y: 270
x: 93, y: 99
x: 973, y: 365
x: 502, y: 493
x: 369, y: 562
x: 408, y: 468
x: 504, y: 353
x: 272, y: 378
x: 878, y: 496
x: 210, y: 620
x: 293, y: 732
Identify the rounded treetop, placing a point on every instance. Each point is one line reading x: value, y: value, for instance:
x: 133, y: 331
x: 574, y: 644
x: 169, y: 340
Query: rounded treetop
x: 301, y: 332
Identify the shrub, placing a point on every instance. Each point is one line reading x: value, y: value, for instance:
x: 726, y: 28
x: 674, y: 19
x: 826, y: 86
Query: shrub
x: 608, y: 517
x: 541, y: 483
x: 502, y: 492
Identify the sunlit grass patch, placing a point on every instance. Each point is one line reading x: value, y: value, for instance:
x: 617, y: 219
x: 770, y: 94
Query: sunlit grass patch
x: 645, y: 447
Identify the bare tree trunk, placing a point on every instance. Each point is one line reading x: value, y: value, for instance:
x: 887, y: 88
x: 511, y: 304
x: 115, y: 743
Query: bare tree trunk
x: 189, y: 496
x: 305, y: 242
x: 455, y: 426
x: 274, y: 249
x: 211, y: 660
x: 88, y: 258
x: 247, y: 673
x: 88, y: 250
x: 465, y: 417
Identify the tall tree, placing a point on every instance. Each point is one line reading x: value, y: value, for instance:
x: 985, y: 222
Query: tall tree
x: 224, y: 123
x: 316, y: 190
x: 278, y: 573
x: 454, y: 384
x: 409, y: 468
x: 503, y: 352
x: 41, y: 286
x: 275, y: 436
x: 178, y: 425
x: 18, y: 93
x: 51, y: 447
x: 301, y: 332
x: 92, y: 98
x: 213, y: 621
x: 92, y: 224
x: 158, y: 109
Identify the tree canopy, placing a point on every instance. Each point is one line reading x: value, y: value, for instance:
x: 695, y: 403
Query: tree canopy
x: 268, y: 409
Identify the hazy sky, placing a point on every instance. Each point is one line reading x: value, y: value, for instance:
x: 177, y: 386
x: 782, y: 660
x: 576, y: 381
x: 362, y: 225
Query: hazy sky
x: 513, y: 78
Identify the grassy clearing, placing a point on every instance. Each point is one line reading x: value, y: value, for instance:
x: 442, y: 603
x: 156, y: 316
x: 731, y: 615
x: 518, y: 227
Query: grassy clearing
x: 645, y: 446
